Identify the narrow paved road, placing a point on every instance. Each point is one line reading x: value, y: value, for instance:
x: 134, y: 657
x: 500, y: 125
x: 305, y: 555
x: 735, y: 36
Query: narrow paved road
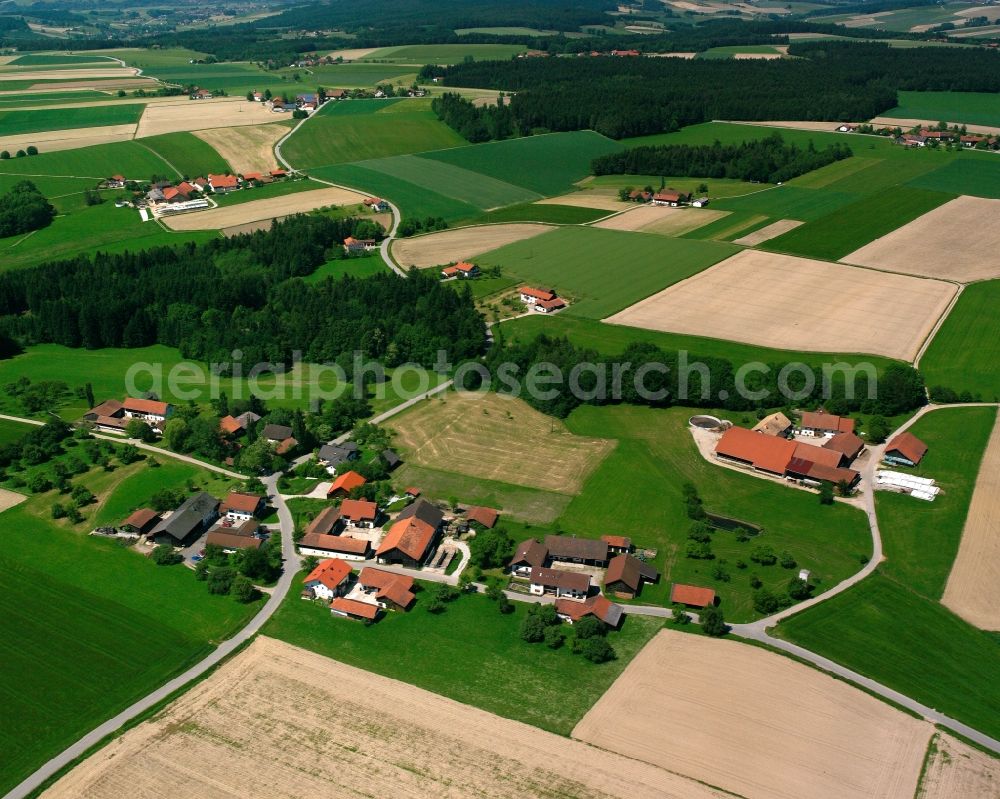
x: 95, y: 736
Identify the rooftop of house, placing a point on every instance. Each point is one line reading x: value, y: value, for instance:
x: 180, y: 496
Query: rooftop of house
x: 238, y: 501
x: 228, y: 540
x: 347, y: 481
x: 487, y: 517
x: 692, y: 595
x: 764, y: 452
x: 567, y: 546
x: 154, y: 407
x: 821, y: 420
x: 335, y: 543
x: 629, y: 571
x: 358, y: 510
x: 907, y: 445
x: 530, y: 552
x: 397, y: 588
x: 558, y: 578
x: 332, y: 573
x: 411, y: 536
x: 363, y: 609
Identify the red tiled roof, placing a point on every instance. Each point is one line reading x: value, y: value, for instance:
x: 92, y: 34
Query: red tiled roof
x: 145, y: 406
x: 464, y: 266
x: 358, y: 510
x: 354, y: 608
x: 223, y: 181
x: 413, y: 491
x: 487, y: 517
x: 540, y: 294
x: 278, y: 173
x: 816, y: 454
x: 599, y: 606
x: 820, y: 420
x: 765, y: 452
x: 820, y: 471
x: 668, y: 196
x: 335, y: 543
x: 630, y: 571
x: 617, y: 541
x: 252, y: 176
x: 236, y: 500
x: 229, y: 425
x: 397, y: 588
x: 221, y: 538
x: 909, y: 446
x: 332, y: 573
x: 552, y: 304
x: 107, y: 408
x: 692, y: 595
x: 846, y: 444
x: 286, y: 445
x: 140, y: 518
x: 410, y: 536
x: 346, y: 482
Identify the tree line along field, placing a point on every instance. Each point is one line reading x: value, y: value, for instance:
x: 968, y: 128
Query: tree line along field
x: 470, y: 653
x: 877, y: 626
x: 15, y: 122
x: 121, y: 625
x: 971, y: 108
x: 964, y: 352
x: 586, y: 265
x: 461, y: 183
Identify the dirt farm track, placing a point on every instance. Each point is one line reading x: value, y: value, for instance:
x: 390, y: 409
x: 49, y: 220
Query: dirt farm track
x: 755, y: 723
x: 794, y: 303
x: 973, y: 588
x: 277, y: 721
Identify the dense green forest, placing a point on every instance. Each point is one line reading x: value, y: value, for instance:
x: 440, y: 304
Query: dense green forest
x: 23, y: 209
x: 241, y: 293
x: 768, y: 160
x: 622, y: 97
x: 900, y: 387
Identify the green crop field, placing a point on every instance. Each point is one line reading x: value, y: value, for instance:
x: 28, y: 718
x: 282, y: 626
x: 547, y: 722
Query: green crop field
x: 97, y: 162
x: 891, y: 627
x: 964, y: 353
x: 48, y: 98
x: 548, y: 165
x: 121, y: 625
x: 507, y: 31
x: 977, y: 174
x: 15, y: 122
x: 233, y: 77
x: 420, y: 54
x: 734, y: 133
x: 357, y: 75
x: 358, y: 130
x: 12, y: 431
x: 846, y: 229
x: 187, y: 154
x: 730, y: 51
x: 470, y: 653
x: 972, y: 108
x: 160, y: 57
x: 533, y: 212
x: 355, y: 267
x: 614, y: 339
x: 587, y: 264
x: 36, y: 60
x: 789, y: 202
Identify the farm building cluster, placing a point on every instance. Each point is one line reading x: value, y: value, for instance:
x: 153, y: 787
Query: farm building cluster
x: 667, y: 197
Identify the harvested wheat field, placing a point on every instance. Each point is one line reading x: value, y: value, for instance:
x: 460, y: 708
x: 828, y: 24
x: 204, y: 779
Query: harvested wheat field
x: 189, y: 115
x: 588, y: 199
x: 52, y: 140
x: 955, y: 771
x: 278, y: 721
x: 247, y: 148
x: 353, y: 54
x: 767, y: 232
x: 493, y: 437
x: 973, y: 587
x: 449, y: 246
x: 755, y: 723
x: 800, y: 304
x: 256, y: 210
x: 662, y: 220
x: 959, y: 240
x: 8, y: 499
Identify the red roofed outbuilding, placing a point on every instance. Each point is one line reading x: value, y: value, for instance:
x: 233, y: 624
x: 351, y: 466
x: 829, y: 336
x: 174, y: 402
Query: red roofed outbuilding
x: 692, y: 595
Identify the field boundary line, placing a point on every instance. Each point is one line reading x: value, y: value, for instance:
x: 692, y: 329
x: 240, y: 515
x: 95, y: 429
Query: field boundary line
x: 164, y: 160
x: 929, y: 338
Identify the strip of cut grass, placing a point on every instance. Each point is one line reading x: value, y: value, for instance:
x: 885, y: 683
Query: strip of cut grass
x: 15, y: 122
x: 470, y: 653
x: 964, y: 352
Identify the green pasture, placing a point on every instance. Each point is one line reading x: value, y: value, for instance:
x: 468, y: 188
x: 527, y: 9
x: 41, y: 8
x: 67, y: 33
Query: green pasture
x: 355, y: 267
x: 964, y: 353
x: 470, y: 653
x: 534, y: 212
x: 233, y: 77
x: 355, y: 75
x: 44, y: 119
x: 159, y: 57
x: 737, y: 49
x: 358, y: 130
x: 420, y: 54
x: 48, y: 60
x: 972, y: 108
x: 977, y: 174
x: 548, y: 164
x: 100, y: 161
x: 48, y: 98
x: 587, y: 265
x: 187, y: 154
x: 11, y: 431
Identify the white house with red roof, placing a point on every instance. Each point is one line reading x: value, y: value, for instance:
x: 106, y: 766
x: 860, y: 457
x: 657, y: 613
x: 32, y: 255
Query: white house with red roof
x: 328, y: 580
x: 152, y: 411
x: 223, y: 184
x: 460, y: 270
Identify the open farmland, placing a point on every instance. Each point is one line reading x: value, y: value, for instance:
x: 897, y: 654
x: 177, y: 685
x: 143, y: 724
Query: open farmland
x: 97, y: 162
x: 968, y: 339
x: 665, y: 221
x: 55, y: 140
x: 449, y: 246
x: 247, y: 148
x: 876, y: 312
x: 16, y: 122
x: 318, y: 727
x: 359, y: 130
x: 955, y: 769
x: 498, y: 438
x: 255, y: 210
x: 586, y: 265
x: 973, y: 588
x: 188, y: 115
x: 976, y: 176
x: 953, y: 107
x: 955, y: 241
x: 767, y: 232
x: 39, y: 75
x: 755, y: 723
x: 420, y: 54
x: 188, y: 154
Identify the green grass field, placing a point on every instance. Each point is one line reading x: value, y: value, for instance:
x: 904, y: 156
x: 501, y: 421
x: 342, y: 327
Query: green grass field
x: 891, y: 627
x: 846, y: 229
x: 532, y: 212
x: 160, y: 57
x: 48, y: 98
x: 977, y: 174
x: 965, y: 351
x: 420, y: 54
x: 972, y: 108
x: 97, y: 162
x: 357, y: 75
x: 588, y: 264
x: 548, y: 164
x: 187, y: 154
x: 355, y: 267
x: 358, y: 130
x: 234, y: 77
x: 471, y: 653
x: 119, y: 624
x: 730, y: 51
x: 36, y: 60
x: 12, y: 431
x: 613, y: 339
x: 17, y: 122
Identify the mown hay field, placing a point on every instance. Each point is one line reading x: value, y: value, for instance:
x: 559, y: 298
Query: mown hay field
x: 449, y: 246
x: 755, y: 723
x: 780, y: 301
